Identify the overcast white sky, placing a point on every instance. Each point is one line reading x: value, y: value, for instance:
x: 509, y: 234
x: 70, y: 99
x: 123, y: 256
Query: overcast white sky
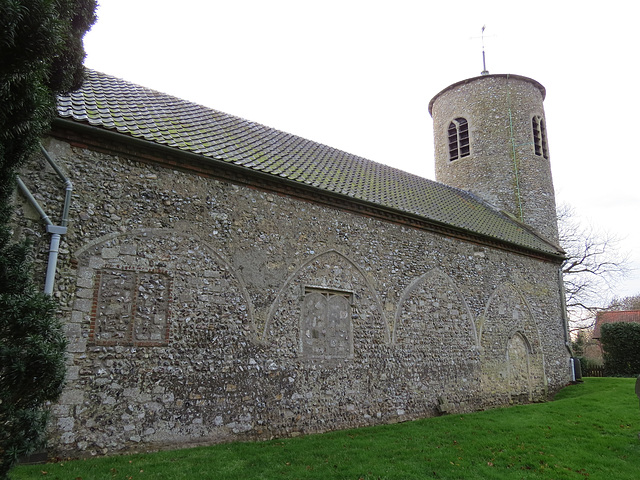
x: 358, y: 75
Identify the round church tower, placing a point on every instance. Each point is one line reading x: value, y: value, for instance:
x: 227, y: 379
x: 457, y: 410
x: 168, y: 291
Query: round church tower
x: 491, y: 139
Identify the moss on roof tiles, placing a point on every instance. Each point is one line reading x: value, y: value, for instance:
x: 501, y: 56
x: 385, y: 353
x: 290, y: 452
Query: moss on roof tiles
x: 109, y: 102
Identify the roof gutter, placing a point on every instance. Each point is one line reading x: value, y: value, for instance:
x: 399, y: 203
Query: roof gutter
x: 207, y: 166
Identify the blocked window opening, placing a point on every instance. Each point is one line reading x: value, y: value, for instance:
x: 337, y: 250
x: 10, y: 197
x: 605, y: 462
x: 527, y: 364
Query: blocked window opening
x: 539, y: 137
x: 130, y: 308
x: 518, y: 361
x: 326, y: 330
x: 458, y: 139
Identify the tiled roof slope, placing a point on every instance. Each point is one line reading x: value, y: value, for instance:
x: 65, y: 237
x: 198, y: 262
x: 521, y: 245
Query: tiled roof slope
x: 626, y: 316
x: 110, y: 103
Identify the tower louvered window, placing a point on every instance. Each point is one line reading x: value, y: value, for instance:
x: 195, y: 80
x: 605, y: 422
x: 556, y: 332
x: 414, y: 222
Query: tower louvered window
x: 539, y: 137
x: 458, y: 139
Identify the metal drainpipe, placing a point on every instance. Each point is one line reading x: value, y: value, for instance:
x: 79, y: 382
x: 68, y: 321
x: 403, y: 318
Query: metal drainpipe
x: 25, y: 191
x: 565, y: 324
x: 68, y: 187
x: 565, y: 319
x: 56, y: 231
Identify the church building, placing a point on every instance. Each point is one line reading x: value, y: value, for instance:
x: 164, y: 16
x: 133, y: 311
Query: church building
x: 222, y: 280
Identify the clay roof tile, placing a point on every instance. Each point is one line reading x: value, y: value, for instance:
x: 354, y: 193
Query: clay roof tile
x: 111, y: 103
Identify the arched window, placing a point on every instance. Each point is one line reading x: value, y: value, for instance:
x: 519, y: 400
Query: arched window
x: 458, y: 139
x: 539, y: 137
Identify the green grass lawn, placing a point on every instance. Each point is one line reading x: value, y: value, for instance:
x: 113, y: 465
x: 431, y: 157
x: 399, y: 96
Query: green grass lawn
x: 589, y: 431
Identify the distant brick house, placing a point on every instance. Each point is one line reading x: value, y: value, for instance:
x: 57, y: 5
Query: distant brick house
x: 629, y: 316
x: 594, y: 348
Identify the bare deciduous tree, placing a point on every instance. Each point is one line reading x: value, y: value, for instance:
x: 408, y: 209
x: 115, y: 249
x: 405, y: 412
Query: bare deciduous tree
x: 592, y: 269
x: 627, y: 303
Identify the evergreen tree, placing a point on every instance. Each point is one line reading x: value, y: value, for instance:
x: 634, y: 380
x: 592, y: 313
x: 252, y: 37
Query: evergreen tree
x: 41, y: 55
x: 32, y: 349
x: 620, y: 344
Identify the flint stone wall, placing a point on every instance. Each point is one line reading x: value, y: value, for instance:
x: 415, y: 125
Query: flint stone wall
x: 199, y: 311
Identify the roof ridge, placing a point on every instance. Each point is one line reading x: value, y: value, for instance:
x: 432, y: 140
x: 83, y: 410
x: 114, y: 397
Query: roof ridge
x: 115, y: 104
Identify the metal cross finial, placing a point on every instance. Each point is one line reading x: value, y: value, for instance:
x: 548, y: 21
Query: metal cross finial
x: 484, y: 64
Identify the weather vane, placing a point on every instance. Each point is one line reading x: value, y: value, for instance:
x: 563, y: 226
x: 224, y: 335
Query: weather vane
x: 484, y: 63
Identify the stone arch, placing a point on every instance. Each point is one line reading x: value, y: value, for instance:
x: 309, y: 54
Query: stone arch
x: 519, y: 367
x: 509, y: 337
x: 417, y: 287
x: 329, y: 272
x: 435, y: 331
x: 205, y: 296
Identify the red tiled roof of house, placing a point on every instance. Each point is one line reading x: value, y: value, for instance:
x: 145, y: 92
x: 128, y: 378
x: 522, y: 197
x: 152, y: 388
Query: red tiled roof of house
x: 629, y: 316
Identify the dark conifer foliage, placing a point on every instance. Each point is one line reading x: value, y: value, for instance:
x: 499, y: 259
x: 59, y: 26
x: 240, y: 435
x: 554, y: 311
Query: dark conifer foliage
x: 621, y: 353
x: 41, y: 55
